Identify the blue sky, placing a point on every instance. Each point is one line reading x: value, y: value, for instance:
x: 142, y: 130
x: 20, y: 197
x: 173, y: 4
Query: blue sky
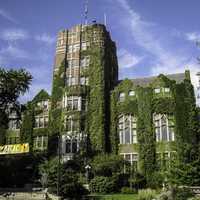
x: 152, y: 36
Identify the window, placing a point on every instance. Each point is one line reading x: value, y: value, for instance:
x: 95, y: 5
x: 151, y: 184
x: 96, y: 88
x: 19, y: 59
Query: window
x: 43, y: 105
x: 127, y: 129
x: 68, y: 146
x: 85, y: 61
x: 12, y: 140
x: 71, y: 146
x: 130, y: 157
x: 82, y: 80
x: 73, y: 48
x: 41, y: 122
x: 71, y: 124
x: 131, y: 93
x: 164, y: 127
x: 72, y: 102
x: 73, y: 63
x: 46, y: 120
x: 86, y: 81
x: 14, y: 124
x: 167, y: 90
x: 40, y: 142
x: 73, y: 81
x: 121, y: 97
x: 84, y: 46
x: 157, y: 90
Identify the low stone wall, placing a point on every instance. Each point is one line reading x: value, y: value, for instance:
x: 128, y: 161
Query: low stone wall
x: 53, y: 197
x: 23, y: 196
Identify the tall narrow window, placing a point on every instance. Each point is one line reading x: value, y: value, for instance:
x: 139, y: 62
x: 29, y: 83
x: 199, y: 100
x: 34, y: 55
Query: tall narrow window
x: 71, y: 124
x: 121, y: 96
x: 71, y: 145
x: 164, y: 127
x: 127, y: 129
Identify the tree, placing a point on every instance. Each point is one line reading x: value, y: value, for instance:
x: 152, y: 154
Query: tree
x: 69, y: 181
x: 13, y: 83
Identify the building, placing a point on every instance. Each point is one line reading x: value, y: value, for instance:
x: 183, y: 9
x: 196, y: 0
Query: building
x: 198, y: 90
x: 90, y: 110
x: 86, y: 64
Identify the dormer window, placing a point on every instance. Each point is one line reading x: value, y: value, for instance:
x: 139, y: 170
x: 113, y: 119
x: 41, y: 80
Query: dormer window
x: 84, y: 46
x: 157, y: 90
x: 121, y: 96
x: 167, y: 90
x: 43, y: 105
x: 131, y: 93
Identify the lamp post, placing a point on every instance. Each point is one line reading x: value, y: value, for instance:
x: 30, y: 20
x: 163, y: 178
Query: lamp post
x: 58, y: 175
x: 87, y: 168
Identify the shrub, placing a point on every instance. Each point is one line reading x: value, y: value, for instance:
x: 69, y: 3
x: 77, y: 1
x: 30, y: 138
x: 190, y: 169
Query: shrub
x: 128, y: 190
x: 146, y: 194
x: 176, y: 194
x: 101, y: 184
x: 138, y: 181
x: 165, y: 196
x: 182, y: 193
x: 107, y: 165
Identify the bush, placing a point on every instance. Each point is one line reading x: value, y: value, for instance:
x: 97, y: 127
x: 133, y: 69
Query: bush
x: 128, y: 190
x: 176, y: 194
x: 101, y: 184
x: 138, y: 181
x: 182, y: 193
x: 107, y: 165
x: 146, y: 194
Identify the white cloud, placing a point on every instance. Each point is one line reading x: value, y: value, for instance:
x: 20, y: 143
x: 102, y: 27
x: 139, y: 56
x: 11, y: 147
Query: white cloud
x: 14, y: 35
x: 13, y: 52
x: 7, y: 16
x: 145, y: 34
x: 193, y: 36
x: 45, y: 38
x: 127, y: 60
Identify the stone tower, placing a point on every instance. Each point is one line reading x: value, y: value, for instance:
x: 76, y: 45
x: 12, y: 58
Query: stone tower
x: 85, y: 71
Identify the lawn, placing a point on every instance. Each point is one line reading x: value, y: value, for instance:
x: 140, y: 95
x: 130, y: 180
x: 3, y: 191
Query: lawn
x: 116, y: 197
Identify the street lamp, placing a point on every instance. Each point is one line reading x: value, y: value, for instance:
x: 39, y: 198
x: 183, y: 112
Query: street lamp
x: 87, y: 168
x: 59, y: 156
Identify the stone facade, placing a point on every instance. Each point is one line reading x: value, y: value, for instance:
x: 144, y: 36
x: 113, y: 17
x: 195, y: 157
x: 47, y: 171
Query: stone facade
x: 95, y: 110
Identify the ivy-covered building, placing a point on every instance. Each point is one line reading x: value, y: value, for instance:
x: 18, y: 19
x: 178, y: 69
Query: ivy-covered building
x: 148, y: 121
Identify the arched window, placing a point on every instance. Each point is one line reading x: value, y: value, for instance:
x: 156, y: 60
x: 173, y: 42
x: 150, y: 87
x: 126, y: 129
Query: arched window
x: 164, y: 127
x: 71, y: 145
x: 127, y: 129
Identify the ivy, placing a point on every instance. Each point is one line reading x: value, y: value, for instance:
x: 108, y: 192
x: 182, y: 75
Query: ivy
x: 56, y: 98
x: 179, y: 101
x: 41, y: 96
x: 102, y: 74
x: 186, y: 122
x: 40, y: 132
x: 26, y: 130
x: 145, y: 133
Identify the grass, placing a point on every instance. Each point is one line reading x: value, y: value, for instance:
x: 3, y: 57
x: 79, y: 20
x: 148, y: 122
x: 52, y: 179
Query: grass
x: 116, y: 197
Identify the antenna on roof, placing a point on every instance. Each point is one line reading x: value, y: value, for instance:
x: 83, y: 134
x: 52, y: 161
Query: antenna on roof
x: 105, y: 19
x: 86, y: 12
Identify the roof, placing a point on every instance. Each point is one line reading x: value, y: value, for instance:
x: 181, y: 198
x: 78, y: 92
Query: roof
x: 145, y: 81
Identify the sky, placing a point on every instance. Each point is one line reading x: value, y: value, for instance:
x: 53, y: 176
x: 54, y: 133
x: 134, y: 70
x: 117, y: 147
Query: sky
x: 152, y: 36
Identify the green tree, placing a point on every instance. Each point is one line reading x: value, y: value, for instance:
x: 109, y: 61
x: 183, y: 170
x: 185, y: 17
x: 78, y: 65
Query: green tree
x: 69, y: 180
x: 13, y: 83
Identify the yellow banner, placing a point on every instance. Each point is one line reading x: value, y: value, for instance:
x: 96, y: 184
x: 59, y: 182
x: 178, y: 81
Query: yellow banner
x: 14, y: 149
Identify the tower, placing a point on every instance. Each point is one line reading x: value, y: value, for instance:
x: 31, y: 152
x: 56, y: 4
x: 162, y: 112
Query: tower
x: 85, y: 71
